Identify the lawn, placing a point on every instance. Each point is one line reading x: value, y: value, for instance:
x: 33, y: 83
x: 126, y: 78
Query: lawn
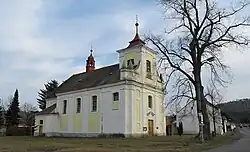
x: 150, y: 144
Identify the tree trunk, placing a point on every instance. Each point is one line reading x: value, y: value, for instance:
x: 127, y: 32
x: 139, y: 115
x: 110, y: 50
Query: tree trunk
x: 206, y: 127
x: 199, y: 96
x: 201, y: 106
x: 214, y: 121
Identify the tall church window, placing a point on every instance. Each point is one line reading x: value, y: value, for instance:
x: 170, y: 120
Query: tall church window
x: 94, y: 103
x: 78, y: 105
x: 150, y: 102
x: 148, y: 66
x: 148, y: 69
x: 64, y: 106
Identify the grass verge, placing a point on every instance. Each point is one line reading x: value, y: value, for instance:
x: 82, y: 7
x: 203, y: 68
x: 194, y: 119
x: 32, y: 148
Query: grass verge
x: 185, y: 143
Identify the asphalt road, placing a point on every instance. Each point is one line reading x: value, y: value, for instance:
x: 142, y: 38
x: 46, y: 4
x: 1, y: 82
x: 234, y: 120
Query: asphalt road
x: 242, y: 145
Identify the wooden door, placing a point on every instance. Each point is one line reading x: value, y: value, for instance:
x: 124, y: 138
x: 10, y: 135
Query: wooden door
x: 150, y: 127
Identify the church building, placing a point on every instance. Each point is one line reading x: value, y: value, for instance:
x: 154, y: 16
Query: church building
x: 126, y: 98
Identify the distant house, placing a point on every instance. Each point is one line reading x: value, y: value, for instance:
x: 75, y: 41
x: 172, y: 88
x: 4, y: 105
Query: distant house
x: 227, y: 121
x: 171, y: 125
x: 188, y: 116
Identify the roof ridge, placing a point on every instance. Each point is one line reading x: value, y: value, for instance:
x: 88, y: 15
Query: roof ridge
x: 97, y: 69
x: 104, y: 75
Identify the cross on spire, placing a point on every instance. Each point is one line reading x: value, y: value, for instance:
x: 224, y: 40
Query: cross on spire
x: 91, y: 49
x: 137, y: 25
x: 137, y: 40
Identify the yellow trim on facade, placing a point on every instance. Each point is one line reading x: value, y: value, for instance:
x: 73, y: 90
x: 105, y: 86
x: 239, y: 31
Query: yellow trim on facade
x: 115, y: 105
x: 138, y: 127
x: 138, y: 110
x: 94, y: 122
x: 64, y: 122
x: 137, y: 94
x: 77, y: 122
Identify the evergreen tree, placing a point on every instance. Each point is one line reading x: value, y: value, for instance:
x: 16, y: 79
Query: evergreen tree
x: 1, y: 115
x: 12, y: 114
x: 42, y: 95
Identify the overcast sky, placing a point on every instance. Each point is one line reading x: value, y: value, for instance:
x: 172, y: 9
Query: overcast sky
x: 43, y: 40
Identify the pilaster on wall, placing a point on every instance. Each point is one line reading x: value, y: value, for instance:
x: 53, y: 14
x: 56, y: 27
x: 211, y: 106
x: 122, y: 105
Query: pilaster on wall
x: 129, y: 110
x: 133, y: 107
x: 70, y: 111
x: 138, y: 111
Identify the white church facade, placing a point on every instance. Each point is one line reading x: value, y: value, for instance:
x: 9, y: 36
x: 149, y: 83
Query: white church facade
x: 126, y: 98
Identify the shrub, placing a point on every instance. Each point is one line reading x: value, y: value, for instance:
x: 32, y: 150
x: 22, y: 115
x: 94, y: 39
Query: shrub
x: 16, y: 131
x: 102, y: 136
x: 115, y: 135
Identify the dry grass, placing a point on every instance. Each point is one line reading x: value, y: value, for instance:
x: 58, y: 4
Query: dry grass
x: 150, y: 144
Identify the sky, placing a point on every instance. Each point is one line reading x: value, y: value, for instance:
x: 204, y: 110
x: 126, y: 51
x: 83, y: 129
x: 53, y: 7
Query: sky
x: 41, y: 40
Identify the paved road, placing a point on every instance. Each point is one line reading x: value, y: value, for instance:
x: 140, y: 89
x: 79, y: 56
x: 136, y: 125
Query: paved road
x: 242, y: 145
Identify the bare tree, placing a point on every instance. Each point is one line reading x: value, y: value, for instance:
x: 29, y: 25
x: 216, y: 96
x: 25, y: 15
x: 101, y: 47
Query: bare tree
x: 202, y: 32
x: 7, y: 102
x: 27, y: 115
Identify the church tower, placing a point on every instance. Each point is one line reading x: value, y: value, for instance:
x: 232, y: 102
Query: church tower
x: 138, y: 61
x: 90, y: 63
